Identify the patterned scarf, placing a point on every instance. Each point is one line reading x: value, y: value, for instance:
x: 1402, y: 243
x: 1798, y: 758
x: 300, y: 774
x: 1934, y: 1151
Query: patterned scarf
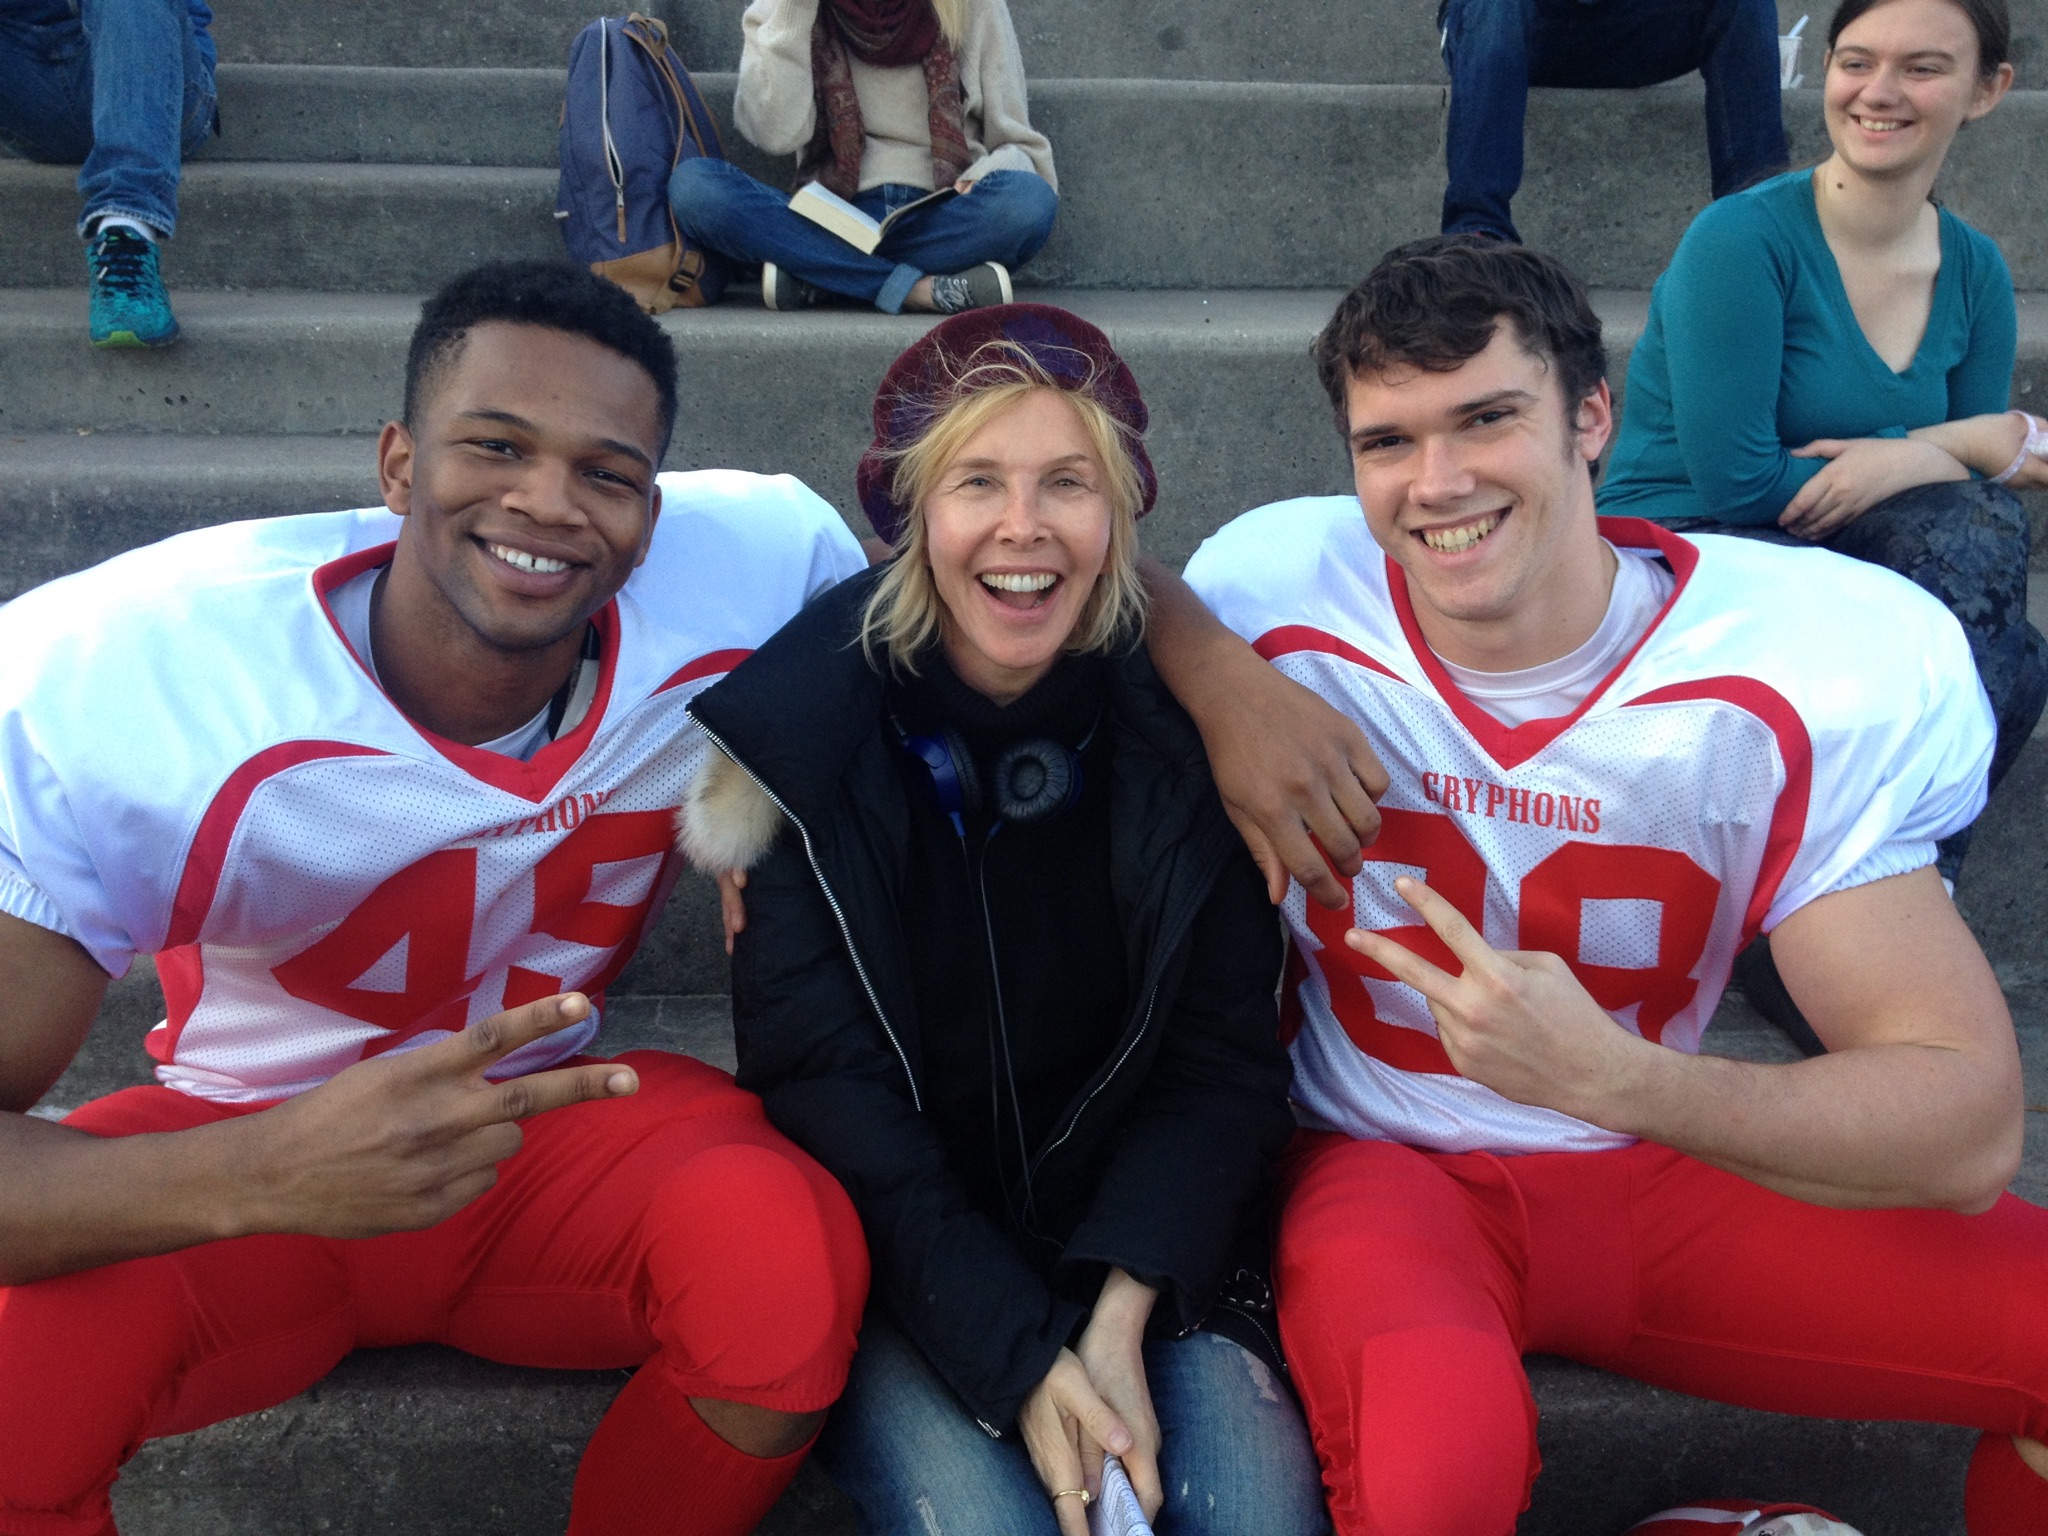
x: 880, y: 32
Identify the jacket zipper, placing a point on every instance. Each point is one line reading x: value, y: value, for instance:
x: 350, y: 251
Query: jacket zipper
x: 1151, y: 1001
x: 838, y: 914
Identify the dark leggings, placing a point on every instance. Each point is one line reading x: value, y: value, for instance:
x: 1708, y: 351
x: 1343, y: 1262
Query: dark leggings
x: 1967, y: 542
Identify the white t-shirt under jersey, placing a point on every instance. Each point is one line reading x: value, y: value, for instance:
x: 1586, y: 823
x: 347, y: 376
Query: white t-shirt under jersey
x: 1641, y: 587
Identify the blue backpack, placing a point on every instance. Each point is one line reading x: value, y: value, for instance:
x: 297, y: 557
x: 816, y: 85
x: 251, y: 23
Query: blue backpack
x: 631, y: 117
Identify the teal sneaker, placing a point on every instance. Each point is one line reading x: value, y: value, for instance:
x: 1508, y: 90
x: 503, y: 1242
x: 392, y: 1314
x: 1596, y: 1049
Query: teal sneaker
x: 129, y: 305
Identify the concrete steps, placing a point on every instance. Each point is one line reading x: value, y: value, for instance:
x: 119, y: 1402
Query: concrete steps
x: 1305, y: 40
x: 1163, y: 185
x: 271, y: 402
x: 369, y: 1452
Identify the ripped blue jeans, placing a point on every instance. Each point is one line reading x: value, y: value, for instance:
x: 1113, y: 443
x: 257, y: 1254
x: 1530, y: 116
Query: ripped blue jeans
x: 1235, y: 1455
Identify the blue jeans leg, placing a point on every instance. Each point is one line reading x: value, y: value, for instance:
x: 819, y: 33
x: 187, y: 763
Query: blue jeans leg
x: 1486, y: 46
x: 1603, y: 45
x: 1235, y: 1456
x: 153, y: 102
x: 1745, y: 113
x: 1006, y: 218
x: 45, y: 90
x: 1622, y: 44
x: 719, y: 205
x: 912, y: 1459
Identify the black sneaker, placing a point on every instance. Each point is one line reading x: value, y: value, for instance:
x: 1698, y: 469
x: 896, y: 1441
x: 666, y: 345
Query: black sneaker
x: 784, y: 291
x: 976, y: 288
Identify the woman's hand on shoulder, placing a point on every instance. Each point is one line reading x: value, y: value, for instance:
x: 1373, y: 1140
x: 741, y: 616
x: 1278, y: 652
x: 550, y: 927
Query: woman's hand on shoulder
x: 1859, y: 473
x: 1067, y: 1428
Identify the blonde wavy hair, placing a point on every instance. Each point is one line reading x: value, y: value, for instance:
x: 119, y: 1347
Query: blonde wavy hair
x: 952, y: 19
x: 905, y: 613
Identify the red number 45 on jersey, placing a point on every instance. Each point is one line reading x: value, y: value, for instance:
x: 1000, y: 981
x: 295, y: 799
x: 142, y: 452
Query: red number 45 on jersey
x: 429, y: 907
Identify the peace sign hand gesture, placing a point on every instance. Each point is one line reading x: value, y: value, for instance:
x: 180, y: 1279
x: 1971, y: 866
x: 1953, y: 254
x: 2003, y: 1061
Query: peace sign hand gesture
x: 1517, y: 1021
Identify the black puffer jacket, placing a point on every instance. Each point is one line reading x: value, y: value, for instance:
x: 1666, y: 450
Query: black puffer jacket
x: 1162, y: 1153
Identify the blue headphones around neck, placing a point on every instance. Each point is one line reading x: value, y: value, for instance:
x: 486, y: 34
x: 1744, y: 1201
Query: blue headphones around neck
x: 1032, y: 780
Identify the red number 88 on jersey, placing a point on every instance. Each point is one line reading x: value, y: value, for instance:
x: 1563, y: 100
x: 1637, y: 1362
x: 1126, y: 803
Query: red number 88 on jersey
x: 1550, y: 904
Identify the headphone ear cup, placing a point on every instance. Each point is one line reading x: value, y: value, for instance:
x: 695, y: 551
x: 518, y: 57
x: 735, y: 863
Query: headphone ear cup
x: 1036, y: 779
x: 956, y: 783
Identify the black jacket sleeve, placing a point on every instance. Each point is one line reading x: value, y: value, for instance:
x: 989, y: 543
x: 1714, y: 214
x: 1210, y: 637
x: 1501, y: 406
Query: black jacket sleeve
x: 1210, y: 1117
x: 811, y: 1044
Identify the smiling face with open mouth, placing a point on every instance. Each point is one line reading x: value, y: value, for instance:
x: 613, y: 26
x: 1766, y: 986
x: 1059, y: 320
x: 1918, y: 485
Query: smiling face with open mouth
x: 1016, y: 533
x: 527, y: 489
x: 1902, y: 78
x: 530, y: 483
x: 1474, y: 481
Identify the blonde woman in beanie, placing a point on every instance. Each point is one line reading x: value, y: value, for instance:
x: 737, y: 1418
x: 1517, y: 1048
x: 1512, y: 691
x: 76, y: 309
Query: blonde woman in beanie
x: 1008, y: 972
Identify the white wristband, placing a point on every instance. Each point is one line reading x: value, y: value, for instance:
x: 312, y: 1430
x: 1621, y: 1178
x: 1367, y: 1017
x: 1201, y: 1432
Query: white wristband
x: 2036, y: 443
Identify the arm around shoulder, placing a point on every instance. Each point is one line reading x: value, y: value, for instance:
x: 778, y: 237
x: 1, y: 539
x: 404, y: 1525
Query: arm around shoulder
x: 1298, y: 778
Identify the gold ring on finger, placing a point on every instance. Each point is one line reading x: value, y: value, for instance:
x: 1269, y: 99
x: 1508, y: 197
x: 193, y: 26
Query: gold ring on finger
x: 1082, y: 1494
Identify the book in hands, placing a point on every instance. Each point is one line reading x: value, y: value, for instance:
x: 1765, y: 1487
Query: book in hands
x: 1116, y: 1511
x: 863, y: 231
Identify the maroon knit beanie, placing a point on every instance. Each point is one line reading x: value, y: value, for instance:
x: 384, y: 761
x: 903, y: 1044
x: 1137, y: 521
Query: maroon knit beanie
x: 920, y: 387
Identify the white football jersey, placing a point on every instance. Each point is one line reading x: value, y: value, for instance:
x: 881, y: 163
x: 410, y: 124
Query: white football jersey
x: 195, y: 764
x: 1793, y: 723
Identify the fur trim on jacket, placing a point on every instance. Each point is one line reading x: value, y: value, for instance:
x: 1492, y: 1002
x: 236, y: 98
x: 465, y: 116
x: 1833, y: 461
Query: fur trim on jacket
x: 726, y: 821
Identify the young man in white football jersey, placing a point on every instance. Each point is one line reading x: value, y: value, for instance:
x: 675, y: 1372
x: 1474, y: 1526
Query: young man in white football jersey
x: 388, y: 794
x: 1615, y: 756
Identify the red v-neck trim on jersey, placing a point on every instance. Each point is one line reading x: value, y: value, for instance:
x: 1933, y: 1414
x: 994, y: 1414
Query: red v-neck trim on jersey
x: 1511, y: 746
x: 532, y: 780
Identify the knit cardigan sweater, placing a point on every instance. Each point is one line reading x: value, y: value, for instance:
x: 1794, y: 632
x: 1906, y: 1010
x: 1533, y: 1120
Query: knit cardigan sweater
x: 777, y: 107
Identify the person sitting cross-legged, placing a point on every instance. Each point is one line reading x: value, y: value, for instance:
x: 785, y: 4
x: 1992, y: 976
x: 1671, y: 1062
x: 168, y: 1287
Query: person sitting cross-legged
x: 884, y: 102
x: 125, y: 89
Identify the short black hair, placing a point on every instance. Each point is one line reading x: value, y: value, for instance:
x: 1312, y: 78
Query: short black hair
x: 1435, y: 304
x: 550, y: 293
x: 1989, y: 19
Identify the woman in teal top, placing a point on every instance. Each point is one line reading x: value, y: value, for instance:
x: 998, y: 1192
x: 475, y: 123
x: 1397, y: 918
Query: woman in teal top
x: 1829, y: 356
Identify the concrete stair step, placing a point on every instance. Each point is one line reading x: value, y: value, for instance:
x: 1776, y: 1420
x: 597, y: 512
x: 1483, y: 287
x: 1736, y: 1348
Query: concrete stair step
x: 1384, y: 40
x: 368, y: 1450
x: 1165, y: 186
x: 1374, y: 41
x: 183, y: 437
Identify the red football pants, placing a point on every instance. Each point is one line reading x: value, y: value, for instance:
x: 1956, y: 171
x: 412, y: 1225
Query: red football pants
x: 1410, y: 1285
x: 674, y: 1228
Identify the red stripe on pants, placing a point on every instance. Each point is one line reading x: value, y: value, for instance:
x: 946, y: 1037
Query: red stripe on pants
x: 1411, y: 1283
x: 675, y: 1227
